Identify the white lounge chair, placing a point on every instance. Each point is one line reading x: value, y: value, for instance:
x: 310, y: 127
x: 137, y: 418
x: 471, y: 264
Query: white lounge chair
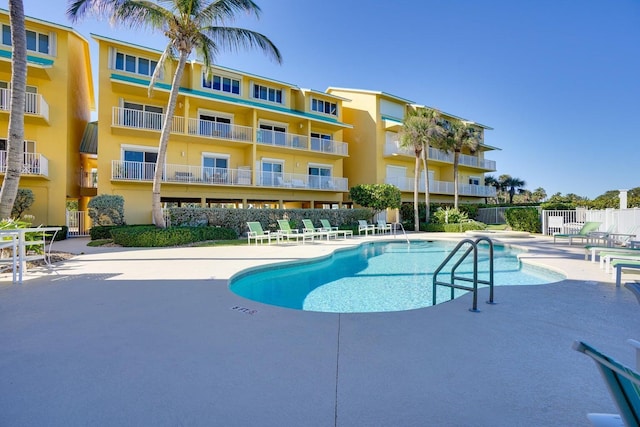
x: 366, y: 227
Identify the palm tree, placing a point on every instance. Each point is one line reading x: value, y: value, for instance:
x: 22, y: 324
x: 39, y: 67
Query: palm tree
x: 512, y: 185
x: 15, y: 149
x: 190, y: 25
x: 491, y: 181
x: 459, y: 135
x: 420, y: 128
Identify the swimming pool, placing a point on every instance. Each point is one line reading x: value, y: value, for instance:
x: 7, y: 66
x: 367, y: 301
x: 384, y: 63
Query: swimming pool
x: 376, y: 277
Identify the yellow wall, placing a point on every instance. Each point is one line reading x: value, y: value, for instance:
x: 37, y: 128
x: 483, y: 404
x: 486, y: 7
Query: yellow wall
x: 67, y: 88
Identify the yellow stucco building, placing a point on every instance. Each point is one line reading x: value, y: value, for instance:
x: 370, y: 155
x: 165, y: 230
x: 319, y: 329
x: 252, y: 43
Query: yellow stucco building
x: 377, y: 157
x: 59, y: 100
x: 238, y: 139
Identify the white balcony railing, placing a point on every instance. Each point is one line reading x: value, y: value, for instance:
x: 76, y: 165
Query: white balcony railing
x: 33, y: 164
x: 34, y: 103
x: 143, y: 171
x: 89, y: 180
x: 292, y: 140
x: 392, y: 149
x: 442, y: 187
x: 209, y: 129
x: 144, y: 120
x: 300, y: 181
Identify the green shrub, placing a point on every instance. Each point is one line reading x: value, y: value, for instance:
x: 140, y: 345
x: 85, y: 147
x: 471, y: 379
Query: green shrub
x: 453, y: 228
x: 62, y: 234
x: 236, y: 219
x: 106, y: 209
x: 151, y: 236
x: 448, y: 216
x: 101, y: 232
x: 24, y: 200
x: 524, y: 219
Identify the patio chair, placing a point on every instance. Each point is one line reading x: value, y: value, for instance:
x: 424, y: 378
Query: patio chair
x: 258, y: 234
x: 364, y: 226
x: 621, y: 239
x: 623, y: 264
x: 326, y: 225
x: 311, y: 230
x: 623, y: 384
x: 587, y: 228
x: 383, y: 227
x: 596, y: 251
x: 286, y: 232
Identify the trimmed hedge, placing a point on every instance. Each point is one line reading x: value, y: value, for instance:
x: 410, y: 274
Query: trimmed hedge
x: 524, y: 219
x: 453, y: 228
x: 236, y: 219
x: 152, y: 236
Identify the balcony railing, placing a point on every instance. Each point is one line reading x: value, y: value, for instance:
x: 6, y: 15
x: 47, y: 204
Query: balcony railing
x: 145, y: 120
x: 442, y: 187
x: 144, y: 171
x: 209, y: 129
x: 300, y: 181
x: 33, y: 164
x: 89, y: 180
x: 292, y: 140
x: 34, y: 103
x: 391, y: 149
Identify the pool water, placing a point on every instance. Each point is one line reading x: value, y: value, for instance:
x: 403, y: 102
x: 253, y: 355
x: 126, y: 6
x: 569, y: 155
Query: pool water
x: 380, y: 276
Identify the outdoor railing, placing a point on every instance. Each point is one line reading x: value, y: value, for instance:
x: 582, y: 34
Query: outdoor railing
x: 33, y: 164
x: 144, y: 171
x: 34, y: 103
x: 292, y: 140
x: 146, y: 120
x: 209, y: 129
x: 301, y: 181
x: 442, y: 187
x: 392, y: 149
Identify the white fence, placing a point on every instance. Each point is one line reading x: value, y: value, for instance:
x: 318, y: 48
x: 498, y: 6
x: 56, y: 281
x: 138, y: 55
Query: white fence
x: 612, y: 220
x: 77, y: 224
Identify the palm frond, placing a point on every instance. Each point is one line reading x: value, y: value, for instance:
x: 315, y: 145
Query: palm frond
x: 221, y: 11
x: 231, y: 38
x: 159, y: 67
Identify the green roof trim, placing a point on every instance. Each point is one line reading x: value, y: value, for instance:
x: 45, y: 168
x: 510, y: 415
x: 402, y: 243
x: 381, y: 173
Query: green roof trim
x: 89, y: 141
x: 35, y: 60
x: 229, y: 99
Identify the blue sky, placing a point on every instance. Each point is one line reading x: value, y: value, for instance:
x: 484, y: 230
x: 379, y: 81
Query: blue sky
x: 559, y: 81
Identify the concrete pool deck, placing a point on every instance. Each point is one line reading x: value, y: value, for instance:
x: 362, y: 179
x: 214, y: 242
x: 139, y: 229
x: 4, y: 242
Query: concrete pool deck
x: 119, y: 336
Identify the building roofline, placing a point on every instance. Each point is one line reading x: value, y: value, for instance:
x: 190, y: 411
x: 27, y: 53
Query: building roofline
x: 372, y: 92
x: 48, y: 23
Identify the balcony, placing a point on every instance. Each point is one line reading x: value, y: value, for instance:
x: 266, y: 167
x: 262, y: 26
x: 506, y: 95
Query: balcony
x: 392, y: 149
x: 214, y: 130
x: 143, y: 120
x: 301, y: 142
x: 89, y: 179
x: 35, y: 104
x: 34, y: 164
x: 442, y: 187
x: 182, y: 174
x: 302, y: 182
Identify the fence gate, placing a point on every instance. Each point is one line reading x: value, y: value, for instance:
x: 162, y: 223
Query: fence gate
x: 77, y: 224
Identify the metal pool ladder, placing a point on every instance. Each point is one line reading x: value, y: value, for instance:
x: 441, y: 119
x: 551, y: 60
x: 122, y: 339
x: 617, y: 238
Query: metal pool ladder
x: 395, y: 228
x: 472, y: 247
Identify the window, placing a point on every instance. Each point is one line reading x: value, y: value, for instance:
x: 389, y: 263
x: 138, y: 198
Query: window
x: 139, y: 163
x: 474, y: 180
x: 267, y: 93
x: 272, y: 134
x: 29, y: 146
x: 36, y: 42
x: 134, y: 64
x: 142, y: 116
x: 221, y: 83
x: 215, y: 168
x: 319, y: 176
x: 213, y: 125
x: 272, y: 172
x: 321, y: 142
x: 325, y: 107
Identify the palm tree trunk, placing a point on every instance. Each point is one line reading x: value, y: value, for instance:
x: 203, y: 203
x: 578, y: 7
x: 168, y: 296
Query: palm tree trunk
x: 456, y: 158
x: 156, y: 207
x: 15, y: 149
x: 416, y: 219
x: 427, y: 202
